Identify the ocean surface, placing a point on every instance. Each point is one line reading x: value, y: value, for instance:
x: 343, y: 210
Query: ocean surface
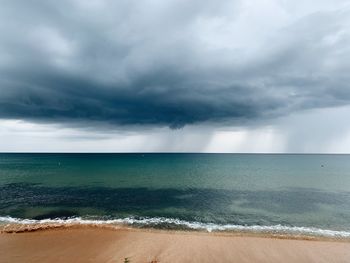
x: 273, y: 193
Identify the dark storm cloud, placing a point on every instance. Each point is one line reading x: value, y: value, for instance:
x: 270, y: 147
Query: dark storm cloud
x: 170, y: 63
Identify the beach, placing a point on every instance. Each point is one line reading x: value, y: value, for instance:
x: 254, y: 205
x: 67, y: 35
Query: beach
x: 99, y: 244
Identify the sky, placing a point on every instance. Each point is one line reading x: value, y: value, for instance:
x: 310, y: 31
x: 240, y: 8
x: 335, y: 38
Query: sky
x: 247, y: 76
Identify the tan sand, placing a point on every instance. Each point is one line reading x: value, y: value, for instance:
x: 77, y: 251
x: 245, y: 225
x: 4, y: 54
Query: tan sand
x: 91, y: 244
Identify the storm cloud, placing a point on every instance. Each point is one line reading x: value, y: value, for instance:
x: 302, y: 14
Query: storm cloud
x: 171, y: 63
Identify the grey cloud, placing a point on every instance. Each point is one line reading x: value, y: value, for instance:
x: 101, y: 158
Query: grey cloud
x: 167, y: 63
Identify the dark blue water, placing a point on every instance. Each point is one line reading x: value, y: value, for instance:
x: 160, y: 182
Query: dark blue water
x: 216, y: 191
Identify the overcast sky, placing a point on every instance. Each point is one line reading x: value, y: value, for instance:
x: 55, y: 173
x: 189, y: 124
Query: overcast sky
x: 193, y: 76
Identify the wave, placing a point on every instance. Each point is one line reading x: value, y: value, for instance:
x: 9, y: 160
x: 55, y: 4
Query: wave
x: 161, y: 221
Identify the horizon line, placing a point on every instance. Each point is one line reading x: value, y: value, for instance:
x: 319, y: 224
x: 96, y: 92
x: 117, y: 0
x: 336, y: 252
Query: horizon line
x: 242, y: 153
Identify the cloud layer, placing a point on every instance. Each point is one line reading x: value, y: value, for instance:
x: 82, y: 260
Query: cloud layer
x: 171, y: 63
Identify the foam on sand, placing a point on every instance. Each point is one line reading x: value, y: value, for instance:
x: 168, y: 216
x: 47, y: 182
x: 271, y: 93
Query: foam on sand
x: 160, y: 222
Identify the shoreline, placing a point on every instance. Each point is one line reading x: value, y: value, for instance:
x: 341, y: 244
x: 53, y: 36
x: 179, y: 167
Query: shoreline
x: 88, y: 243
x: 15, y: 228
x: 11, y: 224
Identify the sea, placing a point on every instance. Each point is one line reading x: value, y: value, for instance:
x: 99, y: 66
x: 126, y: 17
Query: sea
x: 295, y: 194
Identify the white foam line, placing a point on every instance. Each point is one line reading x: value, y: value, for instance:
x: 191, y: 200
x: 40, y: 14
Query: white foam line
x: 276, y: 229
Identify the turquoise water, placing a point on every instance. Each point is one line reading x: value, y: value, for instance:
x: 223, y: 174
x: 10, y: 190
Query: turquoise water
x: 221, y: 191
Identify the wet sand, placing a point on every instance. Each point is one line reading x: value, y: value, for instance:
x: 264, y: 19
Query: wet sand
x: 93, y: 244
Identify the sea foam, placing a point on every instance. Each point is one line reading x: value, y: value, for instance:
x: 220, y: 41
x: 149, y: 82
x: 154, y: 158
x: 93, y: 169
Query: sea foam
x: 159, y: 221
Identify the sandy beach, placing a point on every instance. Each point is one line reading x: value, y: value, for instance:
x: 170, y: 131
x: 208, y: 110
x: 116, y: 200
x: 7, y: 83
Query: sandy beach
x: 93, y: 244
